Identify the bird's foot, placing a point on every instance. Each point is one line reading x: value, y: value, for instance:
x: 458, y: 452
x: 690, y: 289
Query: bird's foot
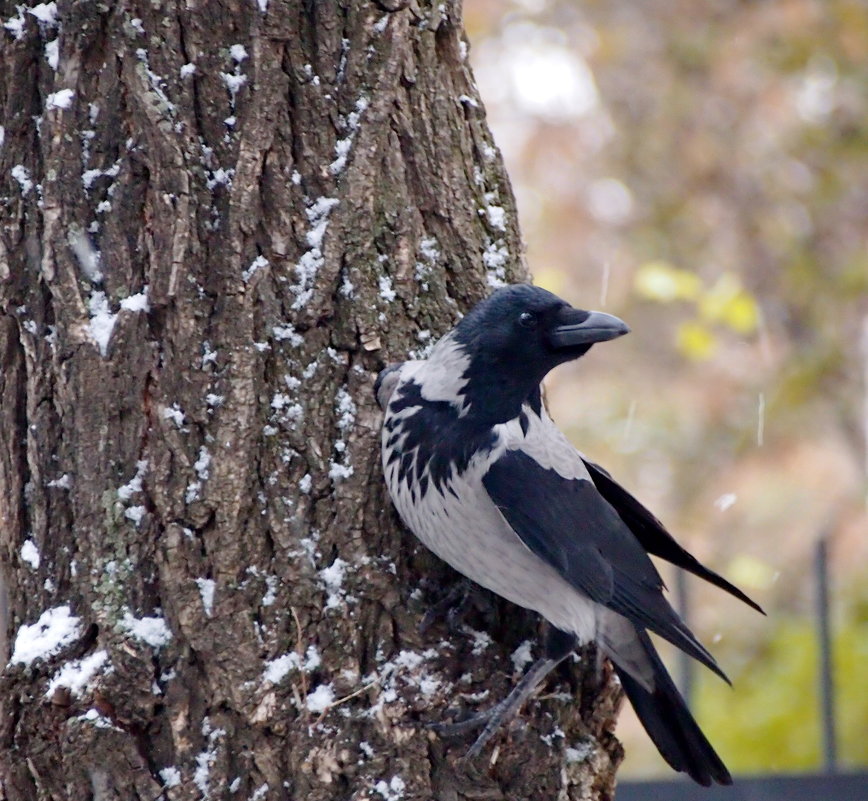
x: 491, y: 719
x: 451, y: 606
x: 507, y: 709
x: 461, y: 727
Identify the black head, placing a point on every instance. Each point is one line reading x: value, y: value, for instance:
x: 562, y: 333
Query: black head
x: 516, y: 336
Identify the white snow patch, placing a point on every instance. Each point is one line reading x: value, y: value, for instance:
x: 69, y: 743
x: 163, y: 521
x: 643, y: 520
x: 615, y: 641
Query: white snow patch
x: 238, y: 53
x: 64, y: 482
x: 171, y: 777
x: 208, y: 356
x: 386, y: 292
x: 175, y: 414
x: 206, y: 591
x: 233, y: 83
x: 19, y: 173
x: 60, y: 99
x: 102, y: 320
x: 55, y: 629
x: 263, y: 5
x: 578, y: 753
x: 495, y: 259
x: 521, y: 656
x: 305, y: 483
x: 312, y: 659
x: 206, y: 758
x: 77, y: 675
x: 52, y: 53
x: 134, y: 485
x: 138, y: 302
x: 343, y: 146
x: 258, y: 263
x: 93, y: 717
x: 220, y: 177
x: 342, y: 150
x: 348, y: 288
x: 429, y: 248
x: 30, y: 554
x: 287, y: 332
x: 321, y: 698
x: 277, y: 669
x: 271, y: 593
x: 46, y: 13
x: 202, y: 464
x: 318, y: 214
x: 481, y: 641
x: 339, y: 472
x: 333, y: 578
x: 496, y: 217
x: 187, y: 70
x: 346, y: 409
x: 15, y: 25
x: 310, y: 262
x: 136, y: 514
x: 151, y: 630
x: 393, y: 790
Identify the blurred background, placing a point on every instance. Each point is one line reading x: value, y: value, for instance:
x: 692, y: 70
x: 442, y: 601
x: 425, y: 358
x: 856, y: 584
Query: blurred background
x: 701, y: 169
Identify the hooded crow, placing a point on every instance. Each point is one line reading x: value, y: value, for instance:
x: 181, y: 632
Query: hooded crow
x: 482, y: 476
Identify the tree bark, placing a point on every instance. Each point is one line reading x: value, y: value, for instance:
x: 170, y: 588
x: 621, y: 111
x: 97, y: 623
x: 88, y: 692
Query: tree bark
x: 220, y: 220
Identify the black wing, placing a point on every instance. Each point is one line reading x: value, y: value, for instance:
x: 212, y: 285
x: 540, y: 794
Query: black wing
x: 651, y: 534
x: 567, y: 523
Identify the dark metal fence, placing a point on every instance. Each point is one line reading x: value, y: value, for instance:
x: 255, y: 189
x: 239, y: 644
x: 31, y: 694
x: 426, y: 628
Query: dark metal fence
x: 811, y: 787
x: 830, y: 785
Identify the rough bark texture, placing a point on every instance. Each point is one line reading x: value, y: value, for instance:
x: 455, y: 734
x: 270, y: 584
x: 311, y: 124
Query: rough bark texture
x: 258, y: 233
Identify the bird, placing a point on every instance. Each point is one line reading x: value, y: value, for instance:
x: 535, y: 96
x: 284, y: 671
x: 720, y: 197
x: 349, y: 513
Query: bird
x: 480, y: 473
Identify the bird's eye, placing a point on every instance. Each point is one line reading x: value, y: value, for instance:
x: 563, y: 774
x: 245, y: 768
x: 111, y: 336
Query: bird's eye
x: 527, y: 320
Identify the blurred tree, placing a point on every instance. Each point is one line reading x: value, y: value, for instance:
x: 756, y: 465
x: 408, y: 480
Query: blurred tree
x: 702, y: 170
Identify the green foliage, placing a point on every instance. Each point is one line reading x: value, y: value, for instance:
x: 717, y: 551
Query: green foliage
x: 771, y: 721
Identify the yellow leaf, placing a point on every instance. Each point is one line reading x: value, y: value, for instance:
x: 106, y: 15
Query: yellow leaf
x: 695, y: 341
x: 742, y: 314
x: 749, y: 571
x: 729, y: 303
x: 660, y: 281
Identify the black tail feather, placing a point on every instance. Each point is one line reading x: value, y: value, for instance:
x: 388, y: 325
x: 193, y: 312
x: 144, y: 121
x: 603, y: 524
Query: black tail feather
x: 670, y: 725
x: 653, y: 535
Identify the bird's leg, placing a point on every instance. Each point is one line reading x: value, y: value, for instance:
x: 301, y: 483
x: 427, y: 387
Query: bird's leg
x: 452, y: 606
x: 559, y: 645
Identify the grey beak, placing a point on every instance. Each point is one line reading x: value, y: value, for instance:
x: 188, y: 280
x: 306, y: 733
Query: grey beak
x: 576, y: 327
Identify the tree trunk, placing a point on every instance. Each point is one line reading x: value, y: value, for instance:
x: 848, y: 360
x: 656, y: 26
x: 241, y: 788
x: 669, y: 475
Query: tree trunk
x: 220, y: 220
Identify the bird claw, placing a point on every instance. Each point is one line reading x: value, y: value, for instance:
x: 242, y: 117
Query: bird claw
x: 460, y: 727
x: 491, y: 719
x: 451, y: 606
